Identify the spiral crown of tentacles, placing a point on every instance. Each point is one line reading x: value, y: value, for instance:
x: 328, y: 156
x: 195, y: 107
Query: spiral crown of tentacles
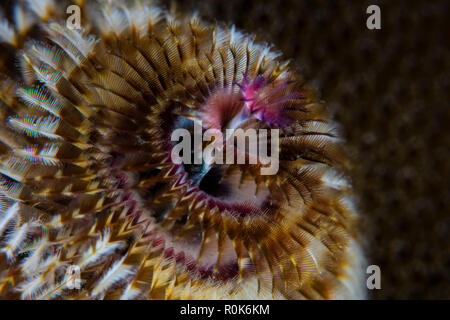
x: 88, y: 188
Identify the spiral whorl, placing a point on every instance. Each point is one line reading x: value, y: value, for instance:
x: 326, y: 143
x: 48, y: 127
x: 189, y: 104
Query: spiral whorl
x: 87, y: 177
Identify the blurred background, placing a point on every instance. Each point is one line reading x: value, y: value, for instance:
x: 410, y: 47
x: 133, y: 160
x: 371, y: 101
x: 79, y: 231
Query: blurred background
x: 389, y: 89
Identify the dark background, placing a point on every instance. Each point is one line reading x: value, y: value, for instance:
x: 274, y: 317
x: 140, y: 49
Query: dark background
x: 389, y: 89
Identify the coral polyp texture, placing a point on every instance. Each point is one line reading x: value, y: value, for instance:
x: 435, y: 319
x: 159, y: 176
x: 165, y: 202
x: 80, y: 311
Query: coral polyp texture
x: 92, y: 205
